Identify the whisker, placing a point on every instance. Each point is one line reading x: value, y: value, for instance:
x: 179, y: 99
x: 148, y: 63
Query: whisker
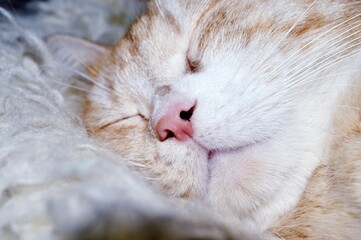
x: 333, y: 75
x: 74, y: 87
x: 288, y: 32
x: 336, y: 61
x: 94, y: 81
x: 289, y: 101
x: 88, y: 78
x: 317, y: 38
x: 333, y: 50
x: 281, y: 40
x: 71, y: 57
x: 318, y: 65
x: 333, y: 44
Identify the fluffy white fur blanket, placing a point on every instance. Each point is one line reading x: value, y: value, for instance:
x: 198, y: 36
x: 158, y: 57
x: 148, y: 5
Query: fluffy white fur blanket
x: 55, y: 181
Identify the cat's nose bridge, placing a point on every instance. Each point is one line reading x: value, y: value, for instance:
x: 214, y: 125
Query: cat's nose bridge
x: 176, y: 122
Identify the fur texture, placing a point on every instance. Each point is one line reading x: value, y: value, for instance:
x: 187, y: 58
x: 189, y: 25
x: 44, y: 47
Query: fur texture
x: 55, y: 181
x: 270, y: 81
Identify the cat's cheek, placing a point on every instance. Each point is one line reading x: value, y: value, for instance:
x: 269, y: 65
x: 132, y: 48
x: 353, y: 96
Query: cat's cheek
x: 233, y: 184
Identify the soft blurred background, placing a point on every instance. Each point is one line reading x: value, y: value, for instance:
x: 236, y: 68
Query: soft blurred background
x: 99, y: 20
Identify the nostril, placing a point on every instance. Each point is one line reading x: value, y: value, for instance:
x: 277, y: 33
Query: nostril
x: 170, y: 134
x: 176, y: 122
x: 186, y: 115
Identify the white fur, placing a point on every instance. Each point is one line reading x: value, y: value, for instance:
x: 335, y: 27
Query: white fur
x: 268, y: 132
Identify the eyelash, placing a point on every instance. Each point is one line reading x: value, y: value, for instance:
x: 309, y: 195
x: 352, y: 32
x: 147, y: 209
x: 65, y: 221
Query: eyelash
x: 123, y: 119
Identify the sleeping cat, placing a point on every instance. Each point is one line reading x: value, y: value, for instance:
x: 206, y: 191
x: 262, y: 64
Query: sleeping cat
x: 250, y: 107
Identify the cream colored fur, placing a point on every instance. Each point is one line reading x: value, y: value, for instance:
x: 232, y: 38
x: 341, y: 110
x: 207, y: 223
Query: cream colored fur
x: 270, y: 80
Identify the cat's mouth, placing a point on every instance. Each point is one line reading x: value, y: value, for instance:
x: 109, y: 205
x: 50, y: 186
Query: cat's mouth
x: 212, y: 153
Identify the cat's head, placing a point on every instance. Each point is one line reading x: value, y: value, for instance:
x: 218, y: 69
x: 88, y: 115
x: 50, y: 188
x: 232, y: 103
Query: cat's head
x: 202, y: 97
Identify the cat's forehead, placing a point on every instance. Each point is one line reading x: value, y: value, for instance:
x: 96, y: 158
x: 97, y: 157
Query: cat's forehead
x: 173, y: 34
x: 233, y: 25
x: 209, y: 27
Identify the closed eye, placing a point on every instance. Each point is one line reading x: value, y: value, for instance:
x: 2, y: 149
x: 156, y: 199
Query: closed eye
x: 193, y: 66
x: 122, y: 119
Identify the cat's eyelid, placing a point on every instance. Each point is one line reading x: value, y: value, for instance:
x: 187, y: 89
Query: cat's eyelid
x: 123, y: 119
x: 143, y: 116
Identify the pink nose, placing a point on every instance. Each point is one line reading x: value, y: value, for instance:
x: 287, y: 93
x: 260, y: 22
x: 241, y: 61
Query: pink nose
x: 176, y: 122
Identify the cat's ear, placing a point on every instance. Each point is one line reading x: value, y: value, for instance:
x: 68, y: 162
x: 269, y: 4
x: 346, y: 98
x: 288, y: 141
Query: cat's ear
x: 75, y: 52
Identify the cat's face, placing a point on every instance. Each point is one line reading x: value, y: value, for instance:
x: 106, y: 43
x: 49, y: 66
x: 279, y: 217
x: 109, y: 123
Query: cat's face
x: 203, y: 96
